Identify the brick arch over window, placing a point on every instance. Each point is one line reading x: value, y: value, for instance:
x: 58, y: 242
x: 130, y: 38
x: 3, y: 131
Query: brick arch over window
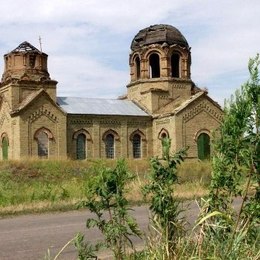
x: 138, y: 144
x: 163, y: 134
x: 46, y: 131
x: 42, y: 137
x: 82, y: 131
x: 204, y: 130
x: 4, y: 146
x: 139, y: 132
x: 156, y: 50
x: 110, y: 138
x: 110, y: 131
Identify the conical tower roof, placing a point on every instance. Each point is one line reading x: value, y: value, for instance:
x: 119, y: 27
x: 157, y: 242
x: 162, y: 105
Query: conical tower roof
x: 25, y: 47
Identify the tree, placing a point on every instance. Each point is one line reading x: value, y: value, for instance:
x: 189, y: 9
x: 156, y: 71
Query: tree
x: 236, y: 166
x: 165, y: 207
x: 106, y: 198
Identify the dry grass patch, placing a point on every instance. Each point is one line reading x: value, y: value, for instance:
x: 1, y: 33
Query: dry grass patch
x: 39, y: 207
x: 41, y: 185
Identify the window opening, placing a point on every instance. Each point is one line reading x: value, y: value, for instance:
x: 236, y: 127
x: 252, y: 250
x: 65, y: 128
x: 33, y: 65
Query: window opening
x: 175, y: 65
x: 43, y: 144
x: 81, y: 147
x: 203, y: 144
x: 138, y: 68
x: 137, y: 146
x: 32, y: 59
x: 154, y: 64
x: 164, y: 135
x: 5, y: 148
x: 110, y: 146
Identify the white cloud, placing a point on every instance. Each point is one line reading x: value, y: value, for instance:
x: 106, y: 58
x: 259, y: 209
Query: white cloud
x: 88, y: 41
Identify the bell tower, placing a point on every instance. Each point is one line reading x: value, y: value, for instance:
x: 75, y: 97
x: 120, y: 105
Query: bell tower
x: 160, y: 62
x: 25, y: 72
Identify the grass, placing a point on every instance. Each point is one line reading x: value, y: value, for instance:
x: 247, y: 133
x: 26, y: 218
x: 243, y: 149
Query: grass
x: 41, y: 185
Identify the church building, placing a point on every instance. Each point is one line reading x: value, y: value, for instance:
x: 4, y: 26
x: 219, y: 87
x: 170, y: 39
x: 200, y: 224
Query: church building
x: 161, y: 101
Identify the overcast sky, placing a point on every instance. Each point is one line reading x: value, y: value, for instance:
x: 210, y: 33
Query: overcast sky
x: 88, y: 41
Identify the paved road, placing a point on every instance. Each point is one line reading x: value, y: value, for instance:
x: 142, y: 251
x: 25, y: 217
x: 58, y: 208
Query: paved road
x: 28, y: 237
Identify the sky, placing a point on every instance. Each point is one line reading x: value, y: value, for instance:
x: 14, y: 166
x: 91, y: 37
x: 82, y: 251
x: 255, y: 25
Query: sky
x: 88, y: 41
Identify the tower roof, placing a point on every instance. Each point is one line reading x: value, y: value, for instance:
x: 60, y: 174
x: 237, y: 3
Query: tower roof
x: 26, y: 47
x: 159, y: 33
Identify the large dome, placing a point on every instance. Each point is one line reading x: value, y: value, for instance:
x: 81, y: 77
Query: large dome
x: 158, y: 33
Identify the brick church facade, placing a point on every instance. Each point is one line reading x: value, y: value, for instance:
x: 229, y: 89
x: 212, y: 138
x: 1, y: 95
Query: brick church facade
x: 161, y: 101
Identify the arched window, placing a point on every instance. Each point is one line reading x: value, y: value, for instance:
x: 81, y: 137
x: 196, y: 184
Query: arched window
x: 110, y: 146
x: 42, y: 137
x: 137, y: 146
x: 137, y: 67
x: 175, y: 65
x: 83, y: 142
x: 5, y: 148
x: 81, y: 147
x: 203, y: 144
x: 163, y: 134
x: 43, y: 144
x: 154, y: 65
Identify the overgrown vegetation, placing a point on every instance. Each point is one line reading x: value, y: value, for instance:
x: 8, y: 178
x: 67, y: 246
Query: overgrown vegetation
x: 106, y: 197
x: 164, y: 206
x: 236, y: 173
x: 221, y: 232
x: 37, y: 186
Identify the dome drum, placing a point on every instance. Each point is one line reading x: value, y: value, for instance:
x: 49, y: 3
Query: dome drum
x: 159, y: 51
x: 25, y: 61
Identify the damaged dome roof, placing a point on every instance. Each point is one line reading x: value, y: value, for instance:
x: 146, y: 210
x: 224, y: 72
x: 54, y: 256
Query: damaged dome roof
x: 159, y: 33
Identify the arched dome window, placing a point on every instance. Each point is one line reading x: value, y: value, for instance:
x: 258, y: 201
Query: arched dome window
x: 175, y: 65
x: 154, y: 65
x: 137, y: 68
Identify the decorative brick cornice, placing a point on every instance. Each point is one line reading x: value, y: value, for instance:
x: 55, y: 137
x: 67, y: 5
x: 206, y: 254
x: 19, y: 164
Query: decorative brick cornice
x: 42, y: 112
x: 80, y: 121
x: 136, y: 123
x: 110, y: 122
x: 203, y: 106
